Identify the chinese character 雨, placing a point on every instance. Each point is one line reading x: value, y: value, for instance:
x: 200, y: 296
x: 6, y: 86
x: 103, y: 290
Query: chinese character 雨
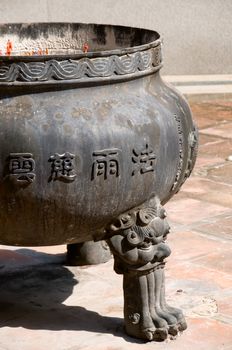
x: 22, y: 167
x: 106, y: 163
x: 62, y: 167
x: 144, y: 160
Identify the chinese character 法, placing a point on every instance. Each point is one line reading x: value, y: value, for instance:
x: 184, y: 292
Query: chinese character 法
x: 144, y: 161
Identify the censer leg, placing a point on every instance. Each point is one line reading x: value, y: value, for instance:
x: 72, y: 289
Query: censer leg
x: 139, y: 251
x: 87, y: 253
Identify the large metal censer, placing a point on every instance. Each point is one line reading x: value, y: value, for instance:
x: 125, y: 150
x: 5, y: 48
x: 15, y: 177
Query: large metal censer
x: 93, y: 144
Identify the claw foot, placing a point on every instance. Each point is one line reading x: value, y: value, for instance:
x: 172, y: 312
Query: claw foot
x: 138, y: 243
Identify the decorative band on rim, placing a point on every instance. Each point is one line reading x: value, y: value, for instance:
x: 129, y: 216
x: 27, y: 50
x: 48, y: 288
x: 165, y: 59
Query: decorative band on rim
x: 83, y: 69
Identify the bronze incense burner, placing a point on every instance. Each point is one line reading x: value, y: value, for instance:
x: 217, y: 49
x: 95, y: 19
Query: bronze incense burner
x: 93, y: 144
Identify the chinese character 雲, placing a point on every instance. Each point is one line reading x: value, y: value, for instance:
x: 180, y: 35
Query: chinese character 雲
x: 144, y: 160
x: 106, y: 163
x: 22, y: 167
x: 62, y: 167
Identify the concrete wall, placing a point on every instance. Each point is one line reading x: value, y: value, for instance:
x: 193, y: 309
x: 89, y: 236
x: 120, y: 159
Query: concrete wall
x: 197, y: 33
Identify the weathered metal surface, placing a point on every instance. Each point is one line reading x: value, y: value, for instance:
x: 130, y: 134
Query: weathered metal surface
x: 110, y: 125
x: 92, y: 144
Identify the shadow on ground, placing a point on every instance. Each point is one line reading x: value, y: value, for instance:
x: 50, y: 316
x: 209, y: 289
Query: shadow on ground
x: 33, y: 298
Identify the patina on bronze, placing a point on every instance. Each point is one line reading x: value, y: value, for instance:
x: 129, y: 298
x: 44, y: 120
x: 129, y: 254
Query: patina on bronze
x: 93, y: 144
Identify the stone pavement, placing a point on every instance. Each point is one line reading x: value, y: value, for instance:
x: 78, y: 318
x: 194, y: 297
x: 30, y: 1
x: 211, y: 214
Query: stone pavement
x: 47, y: 305
x: 202, y: 86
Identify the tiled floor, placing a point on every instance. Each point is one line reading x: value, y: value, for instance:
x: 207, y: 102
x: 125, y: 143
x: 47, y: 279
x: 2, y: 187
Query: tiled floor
x: 80, y: 308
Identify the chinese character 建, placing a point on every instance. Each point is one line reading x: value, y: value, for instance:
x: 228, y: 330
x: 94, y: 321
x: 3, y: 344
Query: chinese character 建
x: 62, y: 167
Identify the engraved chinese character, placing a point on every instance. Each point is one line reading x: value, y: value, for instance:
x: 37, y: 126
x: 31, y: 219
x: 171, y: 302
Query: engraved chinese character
x: 62, y: 167
x: 144, y: 161
x: 22, y: 167
x: 106, y: 163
